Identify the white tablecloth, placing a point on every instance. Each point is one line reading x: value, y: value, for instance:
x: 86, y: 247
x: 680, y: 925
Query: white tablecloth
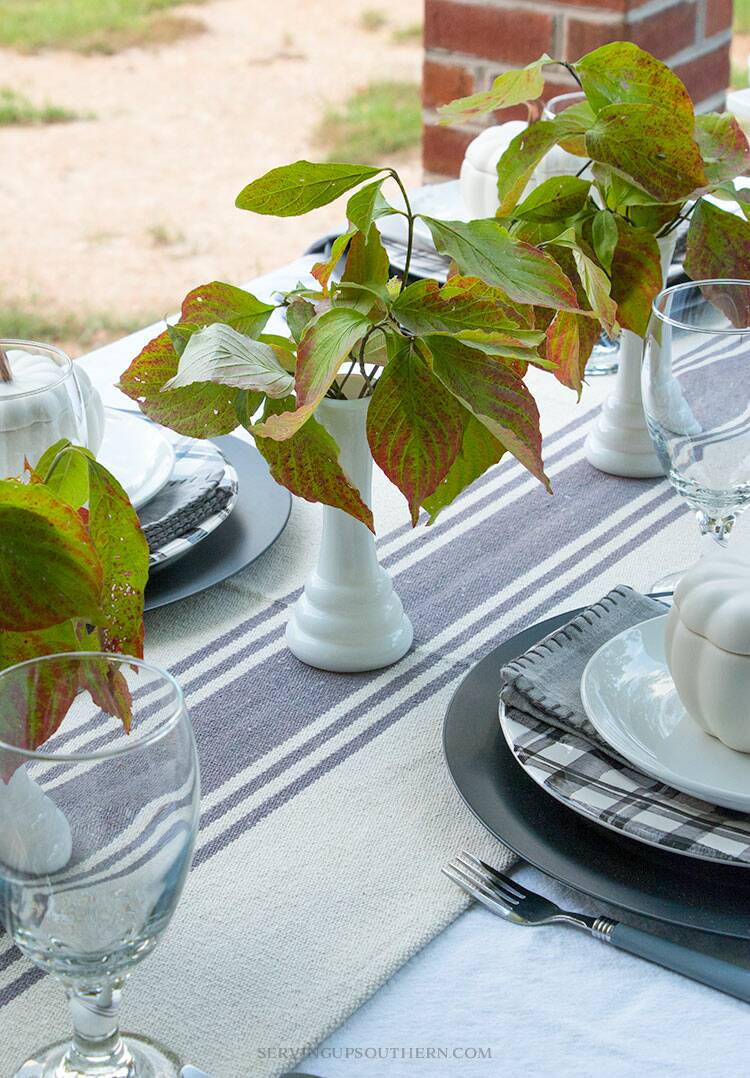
x: 488, y: 998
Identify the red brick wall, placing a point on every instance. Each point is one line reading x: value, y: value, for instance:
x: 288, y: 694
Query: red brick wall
x: 469, y: 42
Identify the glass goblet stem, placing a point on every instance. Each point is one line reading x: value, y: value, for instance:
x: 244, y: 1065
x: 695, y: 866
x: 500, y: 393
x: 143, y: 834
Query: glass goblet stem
x: 97, y: 1047
x: 717, y: 527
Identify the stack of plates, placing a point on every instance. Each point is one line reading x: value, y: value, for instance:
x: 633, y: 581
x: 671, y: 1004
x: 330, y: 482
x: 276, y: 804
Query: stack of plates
x: 229, y: 508
x: 663, y: 831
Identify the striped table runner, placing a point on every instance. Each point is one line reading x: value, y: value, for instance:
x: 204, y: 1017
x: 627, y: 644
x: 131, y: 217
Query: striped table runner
x: 327, y: 810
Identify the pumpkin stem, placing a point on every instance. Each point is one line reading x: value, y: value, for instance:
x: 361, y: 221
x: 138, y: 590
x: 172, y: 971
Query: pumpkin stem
x: 5, y: 371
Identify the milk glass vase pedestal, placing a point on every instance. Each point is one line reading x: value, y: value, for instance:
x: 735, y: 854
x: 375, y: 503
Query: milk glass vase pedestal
x: 619, y: 441
x: 348, y: 619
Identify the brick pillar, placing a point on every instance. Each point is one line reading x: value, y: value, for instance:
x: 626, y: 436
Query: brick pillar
x: 469, y: 42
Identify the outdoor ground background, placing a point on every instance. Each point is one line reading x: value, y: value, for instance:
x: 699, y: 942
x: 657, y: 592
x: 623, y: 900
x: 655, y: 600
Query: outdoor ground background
x: 109, y: 219
x: 127, y: 128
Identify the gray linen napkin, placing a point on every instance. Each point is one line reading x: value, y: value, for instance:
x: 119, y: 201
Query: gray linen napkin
x: 182, y: 505
x: 544, y: 683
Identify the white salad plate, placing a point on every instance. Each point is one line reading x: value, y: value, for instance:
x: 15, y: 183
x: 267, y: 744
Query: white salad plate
x: 631, y: 702
x: 138, y: 454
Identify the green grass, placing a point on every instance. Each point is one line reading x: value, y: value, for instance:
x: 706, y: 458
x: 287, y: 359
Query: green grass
x: 75, y: 333
x: 90, y: 26
x: 17, y: 110
x: 741, y: 23
x: 372, y: 19
x: 407, y: 35
x: 383, y: 118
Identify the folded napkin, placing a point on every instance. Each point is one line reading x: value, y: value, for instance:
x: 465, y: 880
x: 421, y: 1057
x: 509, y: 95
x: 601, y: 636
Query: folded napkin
x: 183, y: 504
x: 549, y: 734
x: 545, y: 682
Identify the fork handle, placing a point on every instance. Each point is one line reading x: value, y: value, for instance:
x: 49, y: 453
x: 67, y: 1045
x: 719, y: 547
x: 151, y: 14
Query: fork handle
x: 714, y: 972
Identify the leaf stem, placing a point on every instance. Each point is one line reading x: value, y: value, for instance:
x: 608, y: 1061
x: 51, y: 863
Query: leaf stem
x: 340, y: 385
x: 583, y: 169
x: 410, y: 221
x: 571, y: 69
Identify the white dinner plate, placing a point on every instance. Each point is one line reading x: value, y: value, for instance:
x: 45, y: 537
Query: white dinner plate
x: 138, y: 454
x: 631, y: 701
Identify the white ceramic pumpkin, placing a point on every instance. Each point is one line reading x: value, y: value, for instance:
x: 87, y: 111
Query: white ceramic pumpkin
x: 479, y: 167
x: 43, y: 401
x: 707, y: 646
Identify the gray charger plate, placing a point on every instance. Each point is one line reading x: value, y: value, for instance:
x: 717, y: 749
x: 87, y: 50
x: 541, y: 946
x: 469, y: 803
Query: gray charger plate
x: 257, y: 520
x: 655, y: 883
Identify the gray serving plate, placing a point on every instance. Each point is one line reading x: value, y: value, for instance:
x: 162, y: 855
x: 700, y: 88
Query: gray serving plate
x: 257, y: 520
x: 656, y: 883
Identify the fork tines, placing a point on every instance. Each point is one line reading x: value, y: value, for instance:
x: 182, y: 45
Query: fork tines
x: 485, y: 883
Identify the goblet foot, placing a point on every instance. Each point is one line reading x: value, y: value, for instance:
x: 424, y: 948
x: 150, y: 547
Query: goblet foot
x: 140, y: 1058
x: 667, y: 584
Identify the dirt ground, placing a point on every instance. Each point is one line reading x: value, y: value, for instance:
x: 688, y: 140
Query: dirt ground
x: 126, y: 212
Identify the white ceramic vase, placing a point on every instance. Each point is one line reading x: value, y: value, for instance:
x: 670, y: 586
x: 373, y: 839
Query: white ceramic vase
x: 349, y: 618
x: 619, y: 442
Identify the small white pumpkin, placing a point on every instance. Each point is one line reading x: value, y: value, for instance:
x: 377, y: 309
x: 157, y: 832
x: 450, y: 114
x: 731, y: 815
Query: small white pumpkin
x: 707, y: 647
x: 38, y: 404
x: 479, y: 167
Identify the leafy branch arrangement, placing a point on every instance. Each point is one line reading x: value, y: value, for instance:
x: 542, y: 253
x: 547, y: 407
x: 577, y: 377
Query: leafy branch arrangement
x: 445, y: 364
x: 647, y: 161
x: 72, y: 579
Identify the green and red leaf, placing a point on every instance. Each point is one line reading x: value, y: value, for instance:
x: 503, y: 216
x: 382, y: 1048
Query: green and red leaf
x: 604, y: 236
x: 485, y: 249
x: 718, y: 246
x: 636, y: 277
x: 33, y: 709
x: 414, y: 426
x: 368, y: 205
x: 562, y: 347
x: 495, y: 395
x: 219, y: 302
x: 64, y: 469
x: 479, y: 450
x: 123, y: 551
x: 322, y: 271
x: 48, y: 569
x: 295, y: 189
x: 367, y: 261
x: 324, y: 346
x: 307, y: 464
x: 643, y: 142
x: 220, y: 355
x: 522, y: 156
x: 203, y: 410
x: 554, y: 199
x: 462, y: 303
x: 723, y: 145
x: 623, y: 73
x: 298, y: 314
x: 510, y: 88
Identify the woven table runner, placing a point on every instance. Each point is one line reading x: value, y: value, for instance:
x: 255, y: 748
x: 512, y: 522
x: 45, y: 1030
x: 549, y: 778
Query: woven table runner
x: 327, y: 810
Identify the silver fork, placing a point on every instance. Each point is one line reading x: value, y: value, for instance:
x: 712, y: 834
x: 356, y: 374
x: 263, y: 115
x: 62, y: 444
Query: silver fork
x: 510, y: 899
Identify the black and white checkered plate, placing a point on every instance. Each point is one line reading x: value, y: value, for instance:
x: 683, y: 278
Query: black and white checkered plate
x: 621, y: 798
x: 200, y: 468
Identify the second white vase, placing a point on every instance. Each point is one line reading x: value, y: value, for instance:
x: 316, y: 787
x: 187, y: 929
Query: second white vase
x: 349, y: 618
x: 619, y: 441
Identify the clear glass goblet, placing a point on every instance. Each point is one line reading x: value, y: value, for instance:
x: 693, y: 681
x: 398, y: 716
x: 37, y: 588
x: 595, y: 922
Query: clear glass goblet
x: 40, y: 403
x: 97, y: 827
x: 696, y: 396
x: 558, y: 162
